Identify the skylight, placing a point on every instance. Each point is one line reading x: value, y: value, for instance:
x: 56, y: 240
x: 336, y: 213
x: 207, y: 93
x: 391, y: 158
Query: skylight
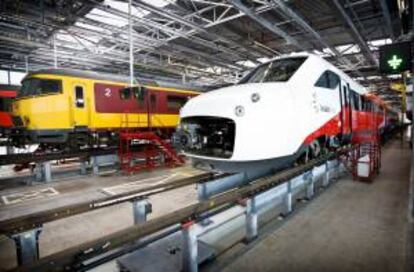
x: 108, y: 18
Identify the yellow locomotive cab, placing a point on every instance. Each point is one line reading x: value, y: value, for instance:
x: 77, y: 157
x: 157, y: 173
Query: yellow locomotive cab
x: 57, y: 105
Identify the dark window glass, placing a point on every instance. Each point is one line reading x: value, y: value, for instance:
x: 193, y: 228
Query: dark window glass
x: 345, y: 92
x: 333, y: 80
x: 79, y: 99
x: 355, y: 100
x: 323, y: 81
x: 125, y: 93
x: 363, y: 103
x: 328, y: 80
x: 37, y: 86
x: 5, y: 104
x: 153, y: 102
x: 275, y: 71
x: 175, y: 102
x: 139, y: 93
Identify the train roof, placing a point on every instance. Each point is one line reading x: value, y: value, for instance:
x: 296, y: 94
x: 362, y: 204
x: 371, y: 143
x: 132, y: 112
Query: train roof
x: 114, y: 77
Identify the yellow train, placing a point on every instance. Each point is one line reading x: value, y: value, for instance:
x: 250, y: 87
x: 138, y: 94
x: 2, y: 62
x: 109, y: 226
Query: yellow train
x: 67, y: 107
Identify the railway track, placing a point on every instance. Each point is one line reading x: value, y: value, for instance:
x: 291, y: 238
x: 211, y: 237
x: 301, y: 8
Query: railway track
x: 73, y: 258
x: 27, y: 222
x: 23, y: 158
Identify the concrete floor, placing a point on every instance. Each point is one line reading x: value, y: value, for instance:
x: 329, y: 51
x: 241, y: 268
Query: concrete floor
x: 352, y: 227
x: 62, y: 234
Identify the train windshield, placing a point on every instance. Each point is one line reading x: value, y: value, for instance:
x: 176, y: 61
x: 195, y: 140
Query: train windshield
x: 38, y: 86
x: 275, y: 71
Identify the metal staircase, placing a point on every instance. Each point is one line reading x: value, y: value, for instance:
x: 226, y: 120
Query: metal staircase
x: 141, y: 148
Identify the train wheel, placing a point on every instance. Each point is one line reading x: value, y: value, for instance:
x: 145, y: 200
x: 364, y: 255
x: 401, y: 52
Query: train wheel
x: 315, y: 149
x: 304, y: 157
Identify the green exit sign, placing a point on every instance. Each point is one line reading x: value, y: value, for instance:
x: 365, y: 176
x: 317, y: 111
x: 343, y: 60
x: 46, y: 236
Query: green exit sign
x: 395, y: 58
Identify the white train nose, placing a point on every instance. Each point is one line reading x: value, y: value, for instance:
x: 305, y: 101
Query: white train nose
x: 237, y: 123
x: 231, y: 102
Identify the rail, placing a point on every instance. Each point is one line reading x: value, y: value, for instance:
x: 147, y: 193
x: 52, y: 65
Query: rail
x: 72, y: 258
x: 42, y: 157
x: 31, y: 221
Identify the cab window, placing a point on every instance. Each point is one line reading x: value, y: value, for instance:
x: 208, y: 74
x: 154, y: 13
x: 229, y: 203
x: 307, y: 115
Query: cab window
x: 175, y: 102
x: 276, y: 71
x: 328, y: 80
x: 39, y: 86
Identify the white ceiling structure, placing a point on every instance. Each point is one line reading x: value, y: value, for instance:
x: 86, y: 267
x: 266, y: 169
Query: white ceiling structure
x: 199, y: 42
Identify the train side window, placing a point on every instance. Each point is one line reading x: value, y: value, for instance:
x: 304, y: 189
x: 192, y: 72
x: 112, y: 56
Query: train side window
x: 328, y: 80
x: 175, y: 102
x: 79, y: 97
x: 355, y: 100
x: 346, y: 98
x: 139, y: 93
x: 153, y: 102
x: 125, y: 93
x: 363, y: 103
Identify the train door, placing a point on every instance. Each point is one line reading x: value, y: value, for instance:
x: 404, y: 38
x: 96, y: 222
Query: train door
x: 345, y: 111
x: 326, y: 96
x: 152, y: 108
x: 79, y: 105
x: 350, y: 106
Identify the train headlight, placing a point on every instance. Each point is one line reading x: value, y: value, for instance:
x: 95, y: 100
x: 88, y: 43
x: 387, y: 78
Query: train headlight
x: 239, y: 111
x: 255, y: 97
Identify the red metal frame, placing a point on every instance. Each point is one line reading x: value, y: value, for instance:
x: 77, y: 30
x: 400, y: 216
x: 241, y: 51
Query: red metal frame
x: 143, y: 149
x: 368, y: 146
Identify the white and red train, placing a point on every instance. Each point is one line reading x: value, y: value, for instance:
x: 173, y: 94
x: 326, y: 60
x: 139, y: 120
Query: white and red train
x: 284, y: 110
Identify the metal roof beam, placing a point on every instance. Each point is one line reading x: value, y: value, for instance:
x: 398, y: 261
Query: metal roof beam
x: 196, y: 27
x: 305, y: 25
x: 169, y: 30
x: 266, y: 23
x: 356, y: 34
x: 387, y: 17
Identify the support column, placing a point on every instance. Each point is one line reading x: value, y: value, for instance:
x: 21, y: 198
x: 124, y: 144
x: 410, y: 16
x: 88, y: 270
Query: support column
x: 202, y: 191
x: 310, y: 187
x: 43, y: 171
x: 27, y: 246
x: 38, y: 171
x: 95, y: 166
x: 288, y: 198
x: 141, y: 208
x: 251, y: 220
x: 131, y: 45
x: 55, y: 62
x: 326, y: 175
x: 83, y: 167
x: 47, y: 171
x: 9, y: 150
x: 190, y: 247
